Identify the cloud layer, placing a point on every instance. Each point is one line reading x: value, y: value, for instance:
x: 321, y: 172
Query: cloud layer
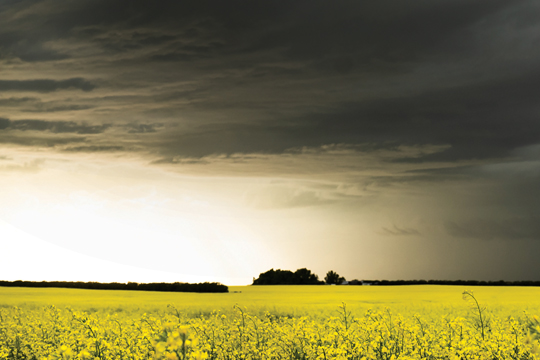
x: 270, y: 77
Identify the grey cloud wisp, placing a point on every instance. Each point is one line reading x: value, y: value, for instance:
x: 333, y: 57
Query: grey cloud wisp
x: 45, y: 85
x: 51, y: 126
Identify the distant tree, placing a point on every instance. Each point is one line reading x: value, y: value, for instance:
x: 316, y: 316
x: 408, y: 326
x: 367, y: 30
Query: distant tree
x: 306, y: 277
x: 275, y: 277
x: 333, y: 277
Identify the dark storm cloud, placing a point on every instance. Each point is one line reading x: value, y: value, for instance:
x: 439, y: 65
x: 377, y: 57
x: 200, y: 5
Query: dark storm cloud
x: 479, y: 121
x: 340, y: 38
x: 46, y: 85
x: 55, y: 127
x: 271, y: 76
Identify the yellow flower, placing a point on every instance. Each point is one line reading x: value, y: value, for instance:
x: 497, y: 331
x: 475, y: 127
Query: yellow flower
x: 85, y: 354
x: 198, y: 355
x: 160, y: 347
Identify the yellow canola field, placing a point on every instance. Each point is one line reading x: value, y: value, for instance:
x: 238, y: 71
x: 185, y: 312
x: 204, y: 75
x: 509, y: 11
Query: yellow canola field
x: 272, y: 322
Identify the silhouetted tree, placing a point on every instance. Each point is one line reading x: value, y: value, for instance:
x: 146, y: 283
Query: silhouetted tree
x: 286, y: 277
x: 305, y: 276
x: 333, y: 277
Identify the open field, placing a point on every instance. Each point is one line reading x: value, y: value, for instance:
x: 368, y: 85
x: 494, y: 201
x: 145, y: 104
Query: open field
x: 293, y: 300
x: 272, y: 322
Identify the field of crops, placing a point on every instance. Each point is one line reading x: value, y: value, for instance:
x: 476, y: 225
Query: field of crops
x: 272, y: 322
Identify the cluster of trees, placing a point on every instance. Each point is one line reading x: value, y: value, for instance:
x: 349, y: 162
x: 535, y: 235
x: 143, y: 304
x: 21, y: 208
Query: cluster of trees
x: 299, y: 277
x: 287, y: 277
x: 205, y: 287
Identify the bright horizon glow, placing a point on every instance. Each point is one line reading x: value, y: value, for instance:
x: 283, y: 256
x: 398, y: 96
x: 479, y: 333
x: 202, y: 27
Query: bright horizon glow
x: 55, y: 263
x: 131, y: 222
x: 180, y: 234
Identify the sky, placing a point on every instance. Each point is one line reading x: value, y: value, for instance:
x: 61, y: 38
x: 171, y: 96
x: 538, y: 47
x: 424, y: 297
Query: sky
x: 212, y: 141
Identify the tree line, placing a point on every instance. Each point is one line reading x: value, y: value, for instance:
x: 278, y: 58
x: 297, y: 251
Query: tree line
x: 306, y: 277
x: 449, y: 282
x: 206, y: 287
